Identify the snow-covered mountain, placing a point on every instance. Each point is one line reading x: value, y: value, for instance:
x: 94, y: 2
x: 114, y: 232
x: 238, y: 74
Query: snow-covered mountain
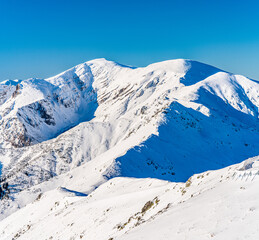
x: 36, y: 110
x: 107, y: 130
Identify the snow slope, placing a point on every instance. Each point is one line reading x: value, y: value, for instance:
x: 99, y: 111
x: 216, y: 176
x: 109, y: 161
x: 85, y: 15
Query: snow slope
x: 224, y: 207
x: 210, y: 205
x: 64, y: 137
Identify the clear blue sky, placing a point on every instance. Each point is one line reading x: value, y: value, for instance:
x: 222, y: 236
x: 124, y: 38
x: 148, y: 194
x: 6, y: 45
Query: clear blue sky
x: 40, y: 38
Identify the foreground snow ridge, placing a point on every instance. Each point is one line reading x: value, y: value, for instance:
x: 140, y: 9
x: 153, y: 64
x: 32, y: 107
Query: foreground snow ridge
x: 106, y: 151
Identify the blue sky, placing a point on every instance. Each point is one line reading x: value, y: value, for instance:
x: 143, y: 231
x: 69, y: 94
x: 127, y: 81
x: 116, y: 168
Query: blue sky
x: 40, y: 38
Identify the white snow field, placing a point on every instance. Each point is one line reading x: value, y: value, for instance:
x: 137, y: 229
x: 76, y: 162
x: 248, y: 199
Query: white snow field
x: 106, y: 151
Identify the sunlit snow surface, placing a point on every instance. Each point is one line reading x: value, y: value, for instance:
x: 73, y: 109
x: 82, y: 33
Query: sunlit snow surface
x: 85, y: 151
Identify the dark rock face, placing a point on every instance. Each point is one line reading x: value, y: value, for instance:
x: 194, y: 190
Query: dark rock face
x: 48, y: 119
x: 16, y: 134
x: 17, y: 91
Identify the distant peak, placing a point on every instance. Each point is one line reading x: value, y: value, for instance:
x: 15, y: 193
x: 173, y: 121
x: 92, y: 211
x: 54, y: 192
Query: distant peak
x: 11, y: 82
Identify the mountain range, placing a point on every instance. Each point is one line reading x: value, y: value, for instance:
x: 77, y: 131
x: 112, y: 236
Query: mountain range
x: 107, y: 151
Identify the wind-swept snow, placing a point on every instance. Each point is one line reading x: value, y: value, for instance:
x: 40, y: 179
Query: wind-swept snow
x: 214, y: 204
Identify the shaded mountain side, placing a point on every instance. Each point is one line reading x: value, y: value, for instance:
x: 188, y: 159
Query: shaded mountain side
x: 189, y: 142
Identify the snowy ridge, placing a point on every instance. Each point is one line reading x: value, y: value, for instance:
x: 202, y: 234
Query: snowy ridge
x: 65, y: 136
x: 38, y: 109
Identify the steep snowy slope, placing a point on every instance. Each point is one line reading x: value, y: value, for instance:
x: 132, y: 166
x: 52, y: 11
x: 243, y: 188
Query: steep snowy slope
x: 35, y: 110
x: 168, y: 120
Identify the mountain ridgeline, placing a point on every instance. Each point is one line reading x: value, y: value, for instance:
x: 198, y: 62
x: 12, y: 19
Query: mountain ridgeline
x: 168, y: 120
